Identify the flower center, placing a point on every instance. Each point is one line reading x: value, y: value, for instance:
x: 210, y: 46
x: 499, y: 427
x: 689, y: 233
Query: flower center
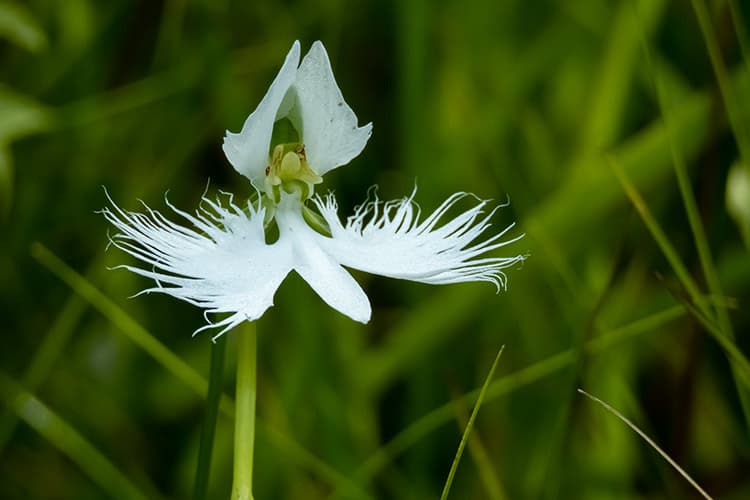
x: 289, y: 171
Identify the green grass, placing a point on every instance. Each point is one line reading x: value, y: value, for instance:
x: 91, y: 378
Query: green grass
x: 610, y: 126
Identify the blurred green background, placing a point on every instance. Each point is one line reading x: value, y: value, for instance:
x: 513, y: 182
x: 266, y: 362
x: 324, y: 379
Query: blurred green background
x: 536, y: 102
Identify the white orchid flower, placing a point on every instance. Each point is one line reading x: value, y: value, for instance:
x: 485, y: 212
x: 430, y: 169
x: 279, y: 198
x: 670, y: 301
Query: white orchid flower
x: 224, y: 263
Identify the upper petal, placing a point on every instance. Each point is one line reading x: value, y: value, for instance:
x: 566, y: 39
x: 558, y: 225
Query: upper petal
x: 329, y: 126
x: 223, y: 265
x: 388, y: 239
x: 322, y: 272
x: 248, y: 150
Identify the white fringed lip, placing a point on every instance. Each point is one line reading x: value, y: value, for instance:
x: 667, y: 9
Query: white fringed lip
x: 224, y: 265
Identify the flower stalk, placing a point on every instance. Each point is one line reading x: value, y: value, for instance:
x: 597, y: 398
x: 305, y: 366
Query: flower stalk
x: 244, y: 422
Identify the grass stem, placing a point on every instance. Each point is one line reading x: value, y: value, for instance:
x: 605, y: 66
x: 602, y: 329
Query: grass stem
x: 649, y: 441
x: 469, y: 426
x: 244, y: 422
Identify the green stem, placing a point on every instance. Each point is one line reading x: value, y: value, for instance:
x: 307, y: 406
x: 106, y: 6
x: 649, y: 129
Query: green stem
x: 215, y: 382
x: 244, y: 424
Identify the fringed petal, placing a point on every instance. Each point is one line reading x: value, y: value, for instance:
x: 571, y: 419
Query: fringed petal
x: 222, y: 265
x: 387, y: 238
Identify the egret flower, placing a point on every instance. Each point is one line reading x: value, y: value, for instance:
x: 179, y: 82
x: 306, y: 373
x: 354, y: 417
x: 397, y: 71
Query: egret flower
x: 301, y: 130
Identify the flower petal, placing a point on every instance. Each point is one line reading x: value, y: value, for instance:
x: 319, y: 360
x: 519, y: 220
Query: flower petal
x: 223, y: 265
x: 329, y: 280
x: 328, y: 125
x: 248, y: 150
x: 388, y: 239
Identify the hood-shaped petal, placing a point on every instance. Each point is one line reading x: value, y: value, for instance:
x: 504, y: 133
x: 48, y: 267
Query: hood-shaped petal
x: 223, y: 265
x: 387, y: 238
x: 248, y: 150
x: 328, y: 125
x: 329, y: 280
x: 310, y: 97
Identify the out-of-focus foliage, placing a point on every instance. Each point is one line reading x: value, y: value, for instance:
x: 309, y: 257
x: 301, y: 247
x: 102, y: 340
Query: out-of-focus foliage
x: 20, y: 115
x: 526, y: 101
x: 18, y: 25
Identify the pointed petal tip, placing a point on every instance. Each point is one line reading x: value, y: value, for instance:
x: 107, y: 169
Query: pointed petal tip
x: 317, y: 46
x: 294, y: 52
x: 364, y: 319
x: 247, y: 151
x: 361, y: 313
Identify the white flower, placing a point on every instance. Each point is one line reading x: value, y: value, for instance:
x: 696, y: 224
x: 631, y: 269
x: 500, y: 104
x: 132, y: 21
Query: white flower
x: 224, y: 264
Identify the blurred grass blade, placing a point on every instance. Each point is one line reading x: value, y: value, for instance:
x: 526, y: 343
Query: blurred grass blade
x: 18, y: 25
x: 649, y: 441
x: 44, y: 358
x: 139, y: 335
x: 65, y: 438
x: 736, y: 122
x: 740, y: 366
x: 686, y: 190
x: 208, y: 431
x: 721, y: 336
x: 656, y: 231
x: 509, y: 383
x: 739, y: 27
x: 21, y: 115
x: 691, y: 209
x: 645, y: 157
x: 126, y: 98
x: 469, y: 427
x: 608, y: 99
